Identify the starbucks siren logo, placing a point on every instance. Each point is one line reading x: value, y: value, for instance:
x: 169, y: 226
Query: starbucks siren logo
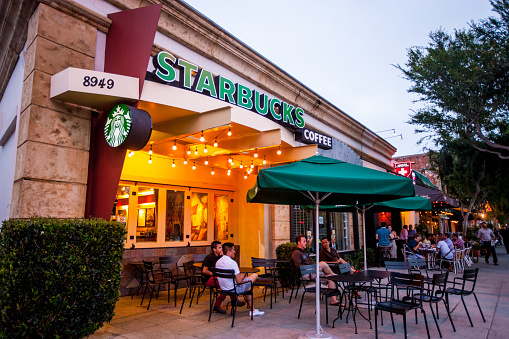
x: 117, y: 125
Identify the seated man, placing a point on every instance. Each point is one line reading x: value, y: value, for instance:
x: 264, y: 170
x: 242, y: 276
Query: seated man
x: 445, y: 251
x: 448, y: 241
x: 208, y: 265
x: 226, y: 262
x: 414, y: 244
x: 300, y: 257
x: 458, y: 242
x: 330, y: 256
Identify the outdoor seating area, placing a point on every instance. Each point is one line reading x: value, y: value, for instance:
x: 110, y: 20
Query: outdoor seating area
x: 354, y: 315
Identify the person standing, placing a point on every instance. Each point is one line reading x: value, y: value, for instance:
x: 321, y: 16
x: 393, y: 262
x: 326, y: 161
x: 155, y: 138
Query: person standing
x: 411, y: 231
x: 504, y: 232
x: 403, y: 235
x: 393, y: 241
x: 486, y: 236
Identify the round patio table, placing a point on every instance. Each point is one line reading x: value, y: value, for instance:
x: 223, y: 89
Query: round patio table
x: 247, y: 270
x: 352, y: 280
x: 429, y: 254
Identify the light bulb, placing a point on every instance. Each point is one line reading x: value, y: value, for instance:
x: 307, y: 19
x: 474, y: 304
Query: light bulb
x: 252, y: 165
x: 150, y: 152
x: 150, y: 160
x: 245, y: 176
x: 173, y: 164
x: 185, y: 161
x: 256, y: 153
x: 189, y: 150
x: 241, y: 166
x: 215, y: 143
x: 205, y: 149
x: 212, y: 172
x: 264, y: 161
x: 194, y: 165
x: 196, y: 151
x: 279, y: 151
x: 230, y: 132
x: 130, y: 154
x: 228, y: 173
x: 207, y: 161
x: 174, y: 146
x: 202, y: 138
x: 230, y: 160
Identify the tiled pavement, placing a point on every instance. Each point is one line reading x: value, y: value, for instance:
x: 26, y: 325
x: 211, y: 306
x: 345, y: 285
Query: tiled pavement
x: 164, y: 321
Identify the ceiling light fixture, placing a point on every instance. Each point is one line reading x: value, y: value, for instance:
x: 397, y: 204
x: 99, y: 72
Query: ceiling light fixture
x: 150, y: 152
x: 174, y: 146
x: 215, y: 143
x: 241, y: 166
x: 205, y: 149
x: 212, y: 171
x: 202, y: 138
x: 189, y: 150
x: 279, y: 150
x: 194, y: 165
x: 230, y: 132
x: 264, y: 161
x: 150, y: 159
x: 207, y: 161
x: 256, y: 153
x: 196, y: 151
x: 173, y: 164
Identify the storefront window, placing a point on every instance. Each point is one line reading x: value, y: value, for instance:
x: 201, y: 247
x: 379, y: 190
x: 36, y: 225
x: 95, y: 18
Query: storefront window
x: 174, y: 215
x: 199, y: 216
x: 221, y: 217
x: 341, y: 231
x: 146, y: 230
x: 121, y: 206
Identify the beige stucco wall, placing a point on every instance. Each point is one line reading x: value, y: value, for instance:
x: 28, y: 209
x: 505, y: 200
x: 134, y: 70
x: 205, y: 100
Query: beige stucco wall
x: 54, y: 137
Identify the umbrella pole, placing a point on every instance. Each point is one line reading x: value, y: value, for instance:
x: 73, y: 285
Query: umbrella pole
x: 364, y: 233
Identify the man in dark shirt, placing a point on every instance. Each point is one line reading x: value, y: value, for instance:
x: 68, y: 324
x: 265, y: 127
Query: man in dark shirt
x: 329, y: 255
x: 414, y: 244
x: 300, y: 257
x: 208, y: 265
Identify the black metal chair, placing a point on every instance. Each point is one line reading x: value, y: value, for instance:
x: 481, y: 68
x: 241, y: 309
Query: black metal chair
x: 307, y: 273
x: 267, y: 279
x: 397, y: 265
x: 194, y: 282
x: 436, y: 293
x: 384, y: 254
x: 230, y: 274
x: 153, y: 278
x: 414, y: 285
x: 466, y: 285
x: 165, y: 265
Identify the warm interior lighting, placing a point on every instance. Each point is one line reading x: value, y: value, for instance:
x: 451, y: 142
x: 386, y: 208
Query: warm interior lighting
x: 256, y: 153
x: 125, y: 196
x: 241, y: 166
x: 174, y: 146
x: 189, y: 150
x: 173, y: 164
x: 205, y: 149
x: 264, y: 161
x: 185, y: 161
x: 230, y: 132
x: 147, y: 204
x: 194, y: 165
x: 245, y: 176
x: 252, y: 165
x: 207, y: 161
x: 196, y: 151
x: 130, y: 154
x: 150, y: 160
x: 202, y: 138
x: 215, y: 142
x: 150, y: 152
x: 279, y: 151
x: 230, y: 160
x: 140, y: 194
x: 212, y: 172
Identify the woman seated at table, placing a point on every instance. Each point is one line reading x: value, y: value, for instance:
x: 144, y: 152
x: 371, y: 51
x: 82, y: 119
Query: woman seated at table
x: 414, y: 244
x: 425, y: 240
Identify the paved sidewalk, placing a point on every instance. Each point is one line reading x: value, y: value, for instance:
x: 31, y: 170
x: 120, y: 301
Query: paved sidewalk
x: 164, y: 321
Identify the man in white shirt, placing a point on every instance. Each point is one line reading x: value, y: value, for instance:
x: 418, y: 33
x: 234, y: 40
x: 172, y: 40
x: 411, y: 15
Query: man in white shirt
x: 243, y: 283
x: 445, y: 251
x: 486, y: 236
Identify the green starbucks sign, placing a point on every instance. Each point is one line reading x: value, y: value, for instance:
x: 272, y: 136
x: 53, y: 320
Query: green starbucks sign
x: 118, y: 125
x: 127, y: 127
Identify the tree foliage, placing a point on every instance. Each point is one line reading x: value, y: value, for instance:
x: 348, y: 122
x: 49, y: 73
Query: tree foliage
x: 463, y: 81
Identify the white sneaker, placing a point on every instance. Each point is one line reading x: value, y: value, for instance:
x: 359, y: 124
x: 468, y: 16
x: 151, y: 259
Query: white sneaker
x: 324, y: 286
x: 256, y: 312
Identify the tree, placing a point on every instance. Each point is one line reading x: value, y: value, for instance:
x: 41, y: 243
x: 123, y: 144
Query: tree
x: 463, y: 80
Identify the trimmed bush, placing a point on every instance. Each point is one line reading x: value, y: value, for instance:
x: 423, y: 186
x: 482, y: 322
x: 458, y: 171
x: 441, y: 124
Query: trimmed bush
x: 356, y: 259
x: 58, y: 278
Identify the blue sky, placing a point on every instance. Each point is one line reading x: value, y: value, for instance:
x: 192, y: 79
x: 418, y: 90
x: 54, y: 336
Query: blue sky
x: 353, y: 42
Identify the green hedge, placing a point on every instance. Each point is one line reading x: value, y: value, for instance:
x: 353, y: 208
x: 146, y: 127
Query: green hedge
x: 58, y: 278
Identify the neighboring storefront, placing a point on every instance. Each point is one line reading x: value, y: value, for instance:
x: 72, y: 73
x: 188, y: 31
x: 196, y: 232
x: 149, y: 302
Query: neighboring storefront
x: 158, y: 118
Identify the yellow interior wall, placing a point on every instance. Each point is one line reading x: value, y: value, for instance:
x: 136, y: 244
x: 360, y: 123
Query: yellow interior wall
x: 247, y: 221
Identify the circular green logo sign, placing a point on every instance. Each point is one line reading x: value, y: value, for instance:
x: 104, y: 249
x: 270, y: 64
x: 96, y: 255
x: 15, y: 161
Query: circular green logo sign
x: 117, y: 125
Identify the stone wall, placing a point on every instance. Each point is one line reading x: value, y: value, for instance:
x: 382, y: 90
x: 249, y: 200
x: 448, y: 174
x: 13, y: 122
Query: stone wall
x: 54, y: 137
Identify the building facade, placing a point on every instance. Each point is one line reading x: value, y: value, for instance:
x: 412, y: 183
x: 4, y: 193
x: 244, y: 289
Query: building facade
x: 83, y: 80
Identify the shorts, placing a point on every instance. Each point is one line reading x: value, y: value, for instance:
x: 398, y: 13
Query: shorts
x: 242, y: 287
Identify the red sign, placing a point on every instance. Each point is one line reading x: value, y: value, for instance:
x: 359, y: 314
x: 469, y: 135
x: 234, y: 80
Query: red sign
x: 403, y: 168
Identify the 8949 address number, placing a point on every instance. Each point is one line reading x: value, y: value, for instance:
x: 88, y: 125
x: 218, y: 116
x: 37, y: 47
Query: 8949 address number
x: 93, y: 81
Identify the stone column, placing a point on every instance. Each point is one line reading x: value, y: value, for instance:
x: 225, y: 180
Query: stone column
x: 54, y: 138
x: 280, y: 224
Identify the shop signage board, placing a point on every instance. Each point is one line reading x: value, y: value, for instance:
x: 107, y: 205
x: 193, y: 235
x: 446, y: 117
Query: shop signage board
x: 127, y: 127
x: 183, y: 74
x: 309, y: 136
x: 93, y: 89
x: 403, y: 168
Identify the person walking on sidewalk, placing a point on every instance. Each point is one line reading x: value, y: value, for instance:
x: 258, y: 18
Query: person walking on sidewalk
x: 486, y: 236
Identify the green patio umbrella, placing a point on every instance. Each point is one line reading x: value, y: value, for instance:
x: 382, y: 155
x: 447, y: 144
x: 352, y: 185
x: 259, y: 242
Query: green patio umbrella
x: 404, y: 204
x: 320, y: 179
